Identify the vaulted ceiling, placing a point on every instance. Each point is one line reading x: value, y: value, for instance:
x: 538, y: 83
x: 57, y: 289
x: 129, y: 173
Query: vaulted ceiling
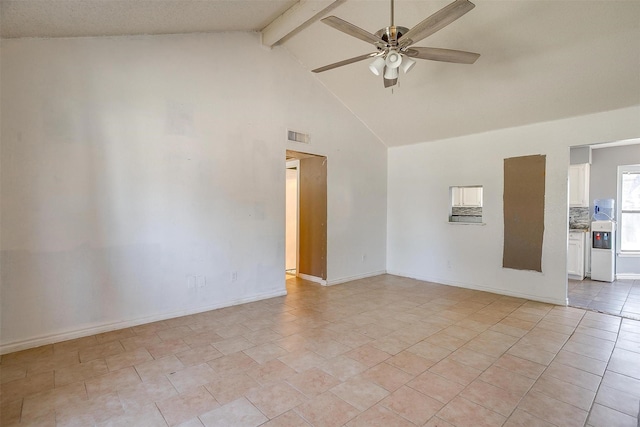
x: 540, y: 60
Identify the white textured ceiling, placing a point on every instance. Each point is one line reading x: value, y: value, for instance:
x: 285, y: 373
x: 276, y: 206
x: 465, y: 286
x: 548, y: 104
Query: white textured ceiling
x: 540, y: 60
x: 73, y: 18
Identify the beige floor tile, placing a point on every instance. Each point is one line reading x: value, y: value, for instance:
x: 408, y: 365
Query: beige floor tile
x: 271, y: 371
x: 429, y: 351
x: 368, y: 355
x: 553, y: 410
x: 491, y: 397
x: 302, y: 360
x: 410, y: 362
x: 153, y: 368
x: 57, y: 360
x: 462, y: 412
x: 183, y: 407
x: 627, y: 401
x: 136, y: 396
x: 573, y: 376
x: 46, y: 402
x: 265, y: 352
x: 129, y: 358
x: 275, y: 399
x: 327, y: 410
x: 454, y: 371
x: 507, y: 380
x: 146, y: 416
x: 288, y: 419
x: 198, y: 355
x: 101, y: 351
x: 99, y: 408
x: 472, y: 358
x: 388, y: 377
x: 13, y: 372
x: 532, y: 353
x: 412, y: 405
x: 10, y: 412
x: 233, y: 345
x: 360, y: 393
x: 593, y: 366
x: 231, y: 387
x: 140, y: 341
x: 232, y: 364
x: 313, y: 382
x: 625, y: 362
x: 240, y: 413
x: 621, y: 382
x: 520, y: 366
x: 177, y: 332
x: 112, y: 381
x: 565, y: 392
x: 202, y: 338
x: 80, y: 372
x: 436, y: 387
x: 75, y: 344
x: 167, y: 347
x: 17, y: 389
x: 28, y: 356
x: 601, y: 416
x: 343, y: 367
x: 191, y: 377
x: 114, y: 335
x: 521, y: 418
x: 378, y: 416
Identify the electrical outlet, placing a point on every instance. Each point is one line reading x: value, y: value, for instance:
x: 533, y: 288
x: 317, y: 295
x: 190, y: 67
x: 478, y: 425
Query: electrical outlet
x: 201, y: 281
x: 191, y: 282
x: 234, y: 276
x: 364, y: 257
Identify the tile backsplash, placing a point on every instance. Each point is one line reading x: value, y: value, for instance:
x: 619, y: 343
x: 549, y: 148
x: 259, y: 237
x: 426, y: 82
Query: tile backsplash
x: 579, y: 218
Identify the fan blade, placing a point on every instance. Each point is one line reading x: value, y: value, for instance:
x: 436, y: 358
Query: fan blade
x: 345, y: 62
x: 435, y: 22
x: 390, y: 82
x: 444, y: 55
x: 352, y: 30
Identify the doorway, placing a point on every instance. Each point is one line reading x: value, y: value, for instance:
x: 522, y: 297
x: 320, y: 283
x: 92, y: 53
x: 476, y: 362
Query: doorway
x: 306, y: 216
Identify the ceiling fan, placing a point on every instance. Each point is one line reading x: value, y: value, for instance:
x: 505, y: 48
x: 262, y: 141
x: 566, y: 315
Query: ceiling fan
x: 394, y: 45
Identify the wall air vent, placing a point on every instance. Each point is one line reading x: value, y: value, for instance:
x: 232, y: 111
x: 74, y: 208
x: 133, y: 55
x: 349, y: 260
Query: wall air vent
x: 294, y: 136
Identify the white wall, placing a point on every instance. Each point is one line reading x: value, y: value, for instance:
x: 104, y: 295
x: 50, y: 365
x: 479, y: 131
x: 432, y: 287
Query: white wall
x: 130, y: 165
x: 422, y: 244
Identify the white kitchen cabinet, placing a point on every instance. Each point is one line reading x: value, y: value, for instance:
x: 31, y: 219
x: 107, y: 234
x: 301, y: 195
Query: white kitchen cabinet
x: 467, y: 196
x: 579, y: 185
x: 576, y: 255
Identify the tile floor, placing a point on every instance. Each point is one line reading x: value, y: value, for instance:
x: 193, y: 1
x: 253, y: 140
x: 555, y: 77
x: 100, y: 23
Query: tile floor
x: 384, y: 351
x: 621, y: 297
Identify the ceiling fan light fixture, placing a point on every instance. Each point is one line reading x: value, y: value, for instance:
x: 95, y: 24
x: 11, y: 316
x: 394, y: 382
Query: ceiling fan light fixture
x: 407, y: 64
x: 390, y: 73
x: 377, y: 66
x: 393, y: 59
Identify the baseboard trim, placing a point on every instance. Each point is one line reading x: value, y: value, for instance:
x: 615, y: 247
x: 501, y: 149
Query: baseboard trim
x: 628, y: 276
x: 312, y: 279
x: 356, y: 277
x: 108, y: 327
x: 477, y: 287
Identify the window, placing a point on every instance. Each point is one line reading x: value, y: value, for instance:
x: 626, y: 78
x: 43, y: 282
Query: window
x: 629, y: 208
x: 466, y: 204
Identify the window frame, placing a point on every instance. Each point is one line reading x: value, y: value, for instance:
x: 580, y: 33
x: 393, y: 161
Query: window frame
x: 623, y: 169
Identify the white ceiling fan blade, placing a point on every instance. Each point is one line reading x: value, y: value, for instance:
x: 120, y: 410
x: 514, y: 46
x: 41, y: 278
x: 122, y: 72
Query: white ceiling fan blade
x: 345, y: 62
x: 352, y: 30
x: 444, y: 55
x: 436, y: 22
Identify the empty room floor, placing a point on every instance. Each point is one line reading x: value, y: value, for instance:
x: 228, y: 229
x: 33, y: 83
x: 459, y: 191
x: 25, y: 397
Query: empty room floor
x: 384, y: 351
x: 621, y: 297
